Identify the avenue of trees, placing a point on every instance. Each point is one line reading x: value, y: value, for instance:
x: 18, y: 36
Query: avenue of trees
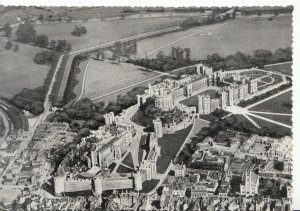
x: 27, y: 34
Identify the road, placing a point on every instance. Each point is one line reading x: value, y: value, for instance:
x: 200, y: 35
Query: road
x: 42, y: 117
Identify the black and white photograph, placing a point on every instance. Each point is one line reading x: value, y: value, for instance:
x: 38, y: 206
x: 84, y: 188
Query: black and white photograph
x: 176, y: 108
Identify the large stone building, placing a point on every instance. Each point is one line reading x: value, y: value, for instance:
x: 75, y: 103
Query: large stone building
x: 234, y: 88
x: 250, y: 183
x: 148, y: 165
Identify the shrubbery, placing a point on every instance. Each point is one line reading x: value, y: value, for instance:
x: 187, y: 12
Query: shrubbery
x: 45, y: 57
x: 79, y: 30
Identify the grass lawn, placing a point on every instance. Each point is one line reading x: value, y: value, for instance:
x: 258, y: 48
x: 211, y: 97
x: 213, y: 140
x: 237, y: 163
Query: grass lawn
x: 141, y: 147
x: 244, y: 34
x: 170, y: 144
x: 149, y: 185
x: 104, y: 76
x: 123, y: 169
x: 193, y: 101
x: 275, y: 104
x: 285, y: 68
x: 273, y: 127
x: 105, y: 31
x: 283, y: 119
x: 18, y: 69
x: 128, y: 160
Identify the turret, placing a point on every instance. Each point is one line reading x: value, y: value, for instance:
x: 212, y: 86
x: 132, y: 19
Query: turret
x: 59, y: 181
x: 137, y: 181
x: 98, y: 186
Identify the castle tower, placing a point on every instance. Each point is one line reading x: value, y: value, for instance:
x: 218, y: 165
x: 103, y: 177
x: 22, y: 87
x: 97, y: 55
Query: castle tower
x: 230, y: 97
x: 137, y: 181
x: 98, y: 186
x: 109, y: 118
x: 158, y: 128
x: 59, y: 182
x: 223, y: 100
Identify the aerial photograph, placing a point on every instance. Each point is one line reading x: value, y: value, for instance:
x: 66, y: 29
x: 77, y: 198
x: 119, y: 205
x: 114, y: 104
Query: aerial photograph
x: 146, y: 108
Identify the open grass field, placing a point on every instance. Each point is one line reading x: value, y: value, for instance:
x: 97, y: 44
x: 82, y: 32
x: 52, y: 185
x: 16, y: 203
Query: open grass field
x: 128, y: 160
x: 285, y: 68
x: 283, y: 119
x: 103, y: 77
x: 244, y: 34
x: 105, y: 31
x: 170, y: 144
x: 193, y: 101
x: 275, y: 104
x: 273, y: 127
x: 19, y: 71
x: 149, y: 185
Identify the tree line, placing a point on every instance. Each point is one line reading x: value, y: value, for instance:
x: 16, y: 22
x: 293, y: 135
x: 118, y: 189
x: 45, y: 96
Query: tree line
x: 27, y: 34
x: 180, y: 57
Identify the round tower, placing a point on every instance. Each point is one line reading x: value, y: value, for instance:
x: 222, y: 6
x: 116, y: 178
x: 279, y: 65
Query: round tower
x: 59, y: 181
x: 137, y: 181
x: 98, y: 186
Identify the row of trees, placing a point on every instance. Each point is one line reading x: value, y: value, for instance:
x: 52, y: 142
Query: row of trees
x: 179, y: 57
x: 125, y: 49
x: 26, y: 33
x: 239, y: 60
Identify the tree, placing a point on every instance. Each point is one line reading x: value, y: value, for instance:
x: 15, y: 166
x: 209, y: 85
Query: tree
x: 41, y: 17
x: 7, y: 29
x: 261, y: 57
x: 16, y: 48
x: 79, y: 30
x: 8, y: 45
x: 25, y: 32
x: 52, y: 44
x: 259, y: 13
x: 41, y: 41
x: 187, y: 53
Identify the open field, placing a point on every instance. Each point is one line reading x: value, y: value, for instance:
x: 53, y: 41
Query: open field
x: 148, y: 185
x: 103, y: 77
x: 128, y: 161
x: 275, y: 104
x: 279, y: 118
x: 273, y: 127
x: 19, y: 71
x: 285, y: 68
x: 170, y: 144
x: 245, y: 35
x: 105, y: 31
x: 193, y: 101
